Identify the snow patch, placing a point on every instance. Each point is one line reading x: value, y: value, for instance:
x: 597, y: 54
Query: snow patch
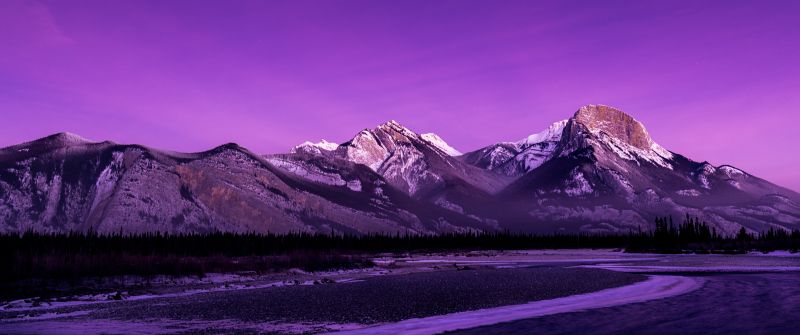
x: 318, y: 147
x: 442, y: 202
x: 702, y: 175
x: 731, y: 171
x: 107, y: 180
x: 577, y: 185
x: 396, y: 126
x: 552, y: 133
x: 688, y: 193
x: 365, y: 149
x: 354, y: 185
x: 538, y: 148
x: 440, y: 144
x: 312, y: 173
x: 498, y: 156
x: 656, y: 155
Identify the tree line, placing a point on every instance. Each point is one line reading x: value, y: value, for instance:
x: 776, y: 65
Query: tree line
x: 34, y: 254
x: 691, y: 235
x: 694, y: 235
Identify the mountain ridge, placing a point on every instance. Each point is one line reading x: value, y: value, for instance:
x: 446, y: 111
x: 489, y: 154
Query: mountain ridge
x: 598, y: 171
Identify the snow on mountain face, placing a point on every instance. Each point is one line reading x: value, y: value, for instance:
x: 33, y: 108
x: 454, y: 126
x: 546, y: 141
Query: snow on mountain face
x: 538, y: 148
x: 440, y: 144
x: 731, y: 171
x: 627, y: 138
x: 313, y: 173
x: 425, y: 168
x: 551, y: 134
x: 604, y: 128
x: 517, y: 158
x: 132, y: 189
x: 365, y: 148
x: 390, y: 150
x: 315, y: 148
x: 608, y: 174
x: 599, y: 171
x: 702, y: 174
x: 410, y: 162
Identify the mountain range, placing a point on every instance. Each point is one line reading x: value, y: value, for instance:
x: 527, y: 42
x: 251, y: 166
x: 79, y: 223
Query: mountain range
x: 597, y: 172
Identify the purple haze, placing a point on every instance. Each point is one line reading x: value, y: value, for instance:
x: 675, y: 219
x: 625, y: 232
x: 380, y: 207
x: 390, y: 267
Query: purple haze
x: 715, y: 80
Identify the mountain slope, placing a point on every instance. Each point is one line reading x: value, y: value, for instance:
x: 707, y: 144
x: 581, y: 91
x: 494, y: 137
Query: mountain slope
x: 606, y: 174
x: 516, y: 158
x: 64, y: 183
x: 423, y: 166
x: 598, y: 171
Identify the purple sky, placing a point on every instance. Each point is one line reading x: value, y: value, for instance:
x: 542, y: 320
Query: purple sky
x: 714, y: 80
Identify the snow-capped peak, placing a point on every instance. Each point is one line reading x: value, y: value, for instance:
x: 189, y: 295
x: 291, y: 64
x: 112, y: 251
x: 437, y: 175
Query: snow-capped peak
x: 439, y: 143
x: 393, y: 125
x: 538, y: 148
x: 516, y: 158
x: 551, y: 134
x: 323, y: 144
x: 318, y: 147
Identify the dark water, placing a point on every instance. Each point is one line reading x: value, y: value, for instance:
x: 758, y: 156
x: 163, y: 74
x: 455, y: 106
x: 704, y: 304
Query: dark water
x: 726, y: 304
x: 757, y: 303
x: 378, y: 299
x: 373, y: 300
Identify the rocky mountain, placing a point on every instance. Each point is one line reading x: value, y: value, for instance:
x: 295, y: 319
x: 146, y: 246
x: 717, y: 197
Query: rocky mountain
x: 606, y: 174
x: 416, y: 164
x: 517, y: 158
x: 423, y: 166
x: 598, y: 171
x: 66, y: 183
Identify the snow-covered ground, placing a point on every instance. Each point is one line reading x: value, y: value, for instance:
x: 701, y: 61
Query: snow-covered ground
x: 185, y: 286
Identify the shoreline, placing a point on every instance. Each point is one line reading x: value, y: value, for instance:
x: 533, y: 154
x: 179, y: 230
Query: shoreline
x: 325, y: 308
x: 654, y: 288
x: 458, y: 291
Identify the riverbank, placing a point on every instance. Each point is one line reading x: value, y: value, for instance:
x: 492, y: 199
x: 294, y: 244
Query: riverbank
x: 450, y: 290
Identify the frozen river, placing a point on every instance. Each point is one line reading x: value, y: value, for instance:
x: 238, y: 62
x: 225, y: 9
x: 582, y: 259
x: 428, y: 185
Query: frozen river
x: 753, y: 303
x: 542, y: 292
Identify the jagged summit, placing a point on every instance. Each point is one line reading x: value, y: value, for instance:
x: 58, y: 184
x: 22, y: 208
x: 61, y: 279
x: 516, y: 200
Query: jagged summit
x: 412, y: 162
x: 615, y: 123
x: 552, y: 133
x: 517, y: 158
x: 392, y: 124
